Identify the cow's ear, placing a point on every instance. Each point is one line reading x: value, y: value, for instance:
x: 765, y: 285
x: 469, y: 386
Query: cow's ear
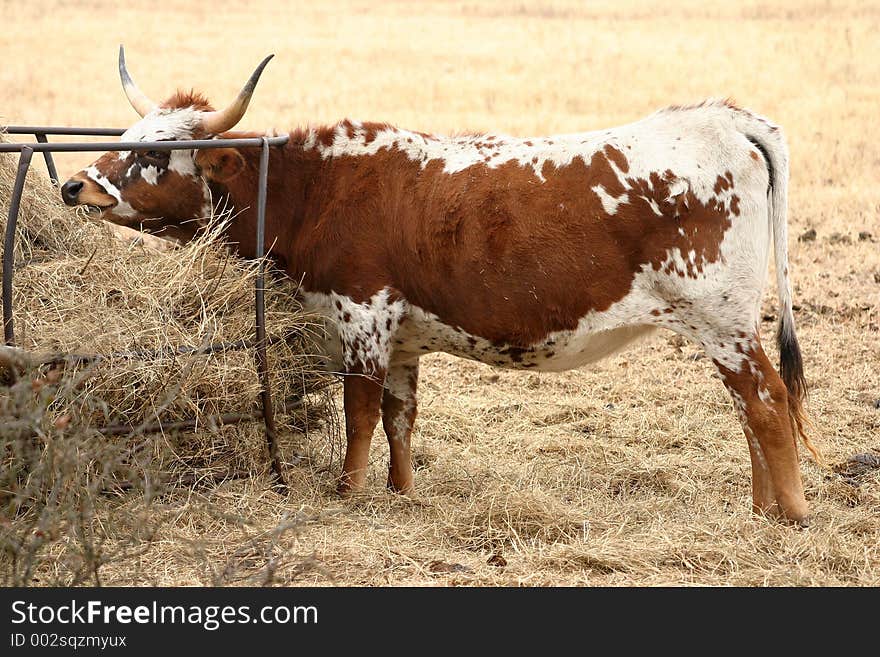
x: 220, y: 164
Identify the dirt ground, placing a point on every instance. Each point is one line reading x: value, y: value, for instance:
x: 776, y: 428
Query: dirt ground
x: 631, y: 472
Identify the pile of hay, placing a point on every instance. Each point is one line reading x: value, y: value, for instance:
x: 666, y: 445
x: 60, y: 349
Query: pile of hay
x: 79, y: 289
x: 73, y: 500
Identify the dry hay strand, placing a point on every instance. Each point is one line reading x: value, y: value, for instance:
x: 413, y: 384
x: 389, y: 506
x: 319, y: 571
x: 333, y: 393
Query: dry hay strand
x: 512, y: 518
x: 78, y: 289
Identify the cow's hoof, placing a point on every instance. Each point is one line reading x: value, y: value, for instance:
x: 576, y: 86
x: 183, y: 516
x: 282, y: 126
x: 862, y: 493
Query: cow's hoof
x: 402, y: 488
x: 801, y: 523
x: 775, y: 514
x: 351, y: 482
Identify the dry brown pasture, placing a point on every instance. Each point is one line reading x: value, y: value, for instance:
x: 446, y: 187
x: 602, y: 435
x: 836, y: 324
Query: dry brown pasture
x: 631, y: 472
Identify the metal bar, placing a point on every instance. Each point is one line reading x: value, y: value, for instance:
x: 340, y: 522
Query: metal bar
x: 183, y: 425
x: 62, y: 130
x: 146, y: 354
x: 188, y: 479
x: 192, y: 423
x: 47, y: 155
x: 24, y: 161
x: 114, y: 146
x: 260, y: 302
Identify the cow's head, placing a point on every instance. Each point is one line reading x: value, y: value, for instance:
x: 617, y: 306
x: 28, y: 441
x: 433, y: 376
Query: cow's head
x: 162, y: 191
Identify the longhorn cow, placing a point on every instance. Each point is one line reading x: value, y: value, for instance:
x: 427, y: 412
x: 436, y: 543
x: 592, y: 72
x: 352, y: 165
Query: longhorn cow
x: 545, y: 253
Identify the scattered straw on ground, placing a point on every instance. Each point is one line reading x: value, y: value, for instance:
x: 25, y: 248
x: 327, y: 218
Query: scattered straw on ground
x: 631, y: 472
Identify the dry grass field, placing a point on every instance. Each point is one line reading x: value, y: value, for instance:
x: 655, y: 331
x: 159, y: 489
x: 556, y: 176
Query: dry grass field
x: 632, y: 472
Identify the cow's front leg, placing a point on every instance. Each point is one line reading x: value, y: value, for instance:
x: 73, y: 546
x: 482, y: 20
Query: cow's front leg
x: 398, y: 416
x: 365, y: 331
x: 362, y: 398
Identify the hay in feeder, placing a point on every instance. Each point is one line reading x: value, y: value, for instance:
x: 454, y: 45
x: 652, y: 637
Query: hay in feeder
x: 79, y: 289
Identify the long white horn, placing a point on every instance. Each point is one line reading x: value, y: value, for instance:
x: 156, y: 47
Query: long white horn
x: 223, y: 120
x: 136, y: 97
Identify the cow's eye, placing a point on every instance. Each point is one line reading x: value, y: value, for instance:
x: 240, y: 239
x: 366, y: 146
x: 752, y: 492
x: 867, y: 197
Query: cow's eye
x: 153, y: 155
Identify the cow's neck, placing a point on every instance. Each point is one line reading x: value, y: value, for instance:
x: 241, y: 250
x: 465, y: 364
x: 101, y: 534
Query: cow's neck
x: 290, y: 169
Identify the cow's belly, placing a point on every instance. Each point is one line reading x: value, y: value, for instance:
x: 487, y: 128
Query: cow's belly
x: 423, y: 333
x: 412, y: 332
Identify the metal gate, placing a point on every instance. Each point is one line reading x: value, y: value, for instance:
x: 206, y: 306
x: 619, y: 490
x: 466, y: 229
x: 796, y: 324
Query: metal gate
x: 260, y: 341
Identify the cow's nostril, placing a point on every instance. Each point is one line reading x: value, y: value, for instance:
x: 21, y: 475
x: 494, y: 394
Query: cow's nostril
x: 70, y: 191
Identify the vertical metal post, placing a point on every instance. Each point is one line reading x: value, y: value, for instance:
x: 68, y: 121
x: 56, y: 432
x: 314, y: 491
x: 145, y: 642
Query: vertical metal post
x: 47, y: 155
x: 260, y: 300
x: 24, y: 161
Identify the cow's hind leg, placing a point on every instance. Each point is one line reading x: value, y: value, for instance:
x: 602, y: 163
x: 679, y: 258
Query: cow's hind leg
x: 398, y: 416
x: 763, y: 495
x: 761, y: 399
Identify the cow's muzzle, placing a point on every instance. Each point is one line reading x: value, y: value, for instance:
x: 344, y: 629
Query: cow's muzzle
x: 70, y: 192
x: 80, y: 190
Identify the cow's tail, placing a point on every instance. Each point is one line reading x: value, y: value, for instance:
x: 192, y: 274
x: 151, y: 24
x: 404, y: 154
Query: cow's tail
x: 769, y: 139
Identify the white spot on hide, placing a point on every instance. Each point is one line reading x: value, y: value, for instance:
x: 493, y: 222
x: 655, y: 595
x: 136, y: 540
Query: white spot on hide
x: 102, y: 181
x: 609, y: 203
x: 150, y: 174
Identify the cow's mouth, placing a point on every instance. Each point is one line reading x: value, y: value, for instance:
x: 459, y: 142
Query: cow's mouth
x: 95, y: 211
x: 85, y: 194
